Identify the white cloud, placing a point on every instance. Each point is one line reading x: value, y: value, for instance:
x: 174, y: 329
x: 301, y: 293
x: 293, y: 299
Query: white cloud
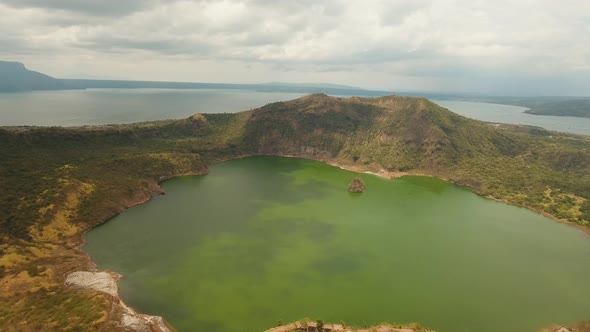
x: 429, y: 44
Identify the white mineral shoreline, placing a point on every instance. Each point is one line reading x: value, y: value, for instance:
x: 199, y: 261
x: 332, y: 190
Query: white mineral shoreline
x: 107, y: 282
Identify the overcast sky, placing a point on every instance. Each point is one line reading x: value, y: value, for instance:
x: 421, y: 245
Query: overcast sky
x: 509, y: 47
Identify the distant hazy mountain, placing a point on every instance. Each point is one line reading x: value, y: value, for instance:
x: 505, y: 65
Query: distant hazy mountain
x: 14, y: 76
x: 332, y: 89
x: 314, y: 85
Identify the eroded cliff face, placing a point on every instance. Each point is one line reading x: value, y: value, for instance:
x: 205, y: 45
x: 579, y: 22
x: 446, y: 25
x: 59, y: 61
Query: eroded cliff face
x: 399, y: 133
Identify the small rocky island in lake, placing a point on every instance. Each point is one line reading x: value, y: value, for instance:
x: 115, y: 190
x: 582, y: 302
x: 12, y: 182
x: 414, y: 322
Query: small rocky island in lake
x: 356, y: 186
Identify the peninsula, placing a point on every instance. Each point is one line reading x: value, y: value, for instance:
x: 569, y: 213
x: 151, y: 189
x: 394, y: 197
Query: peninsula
x: 579, y: 107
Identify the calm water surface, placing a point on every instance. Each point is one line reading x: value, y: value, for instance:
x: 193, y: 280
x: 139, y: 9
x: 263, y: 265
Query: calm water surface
x: 106, y: 106
x: 515, y: 115
x: 264, y: 239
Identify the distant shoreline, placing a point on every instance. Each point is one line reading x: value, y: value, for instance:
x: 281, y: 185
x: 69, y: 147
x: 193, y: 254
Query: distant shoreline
x: 395, y: 175
x: 398, y: 174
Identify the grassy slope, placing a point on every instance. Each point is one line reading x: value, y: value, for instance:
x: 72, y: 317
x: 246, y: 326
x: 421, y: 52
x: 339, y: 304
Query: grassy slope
x: 542, y: 170
x: 57, y: 183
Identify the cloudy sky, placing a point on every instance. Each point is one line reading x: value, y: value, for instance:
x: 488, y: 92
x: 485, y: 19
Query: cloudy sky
x: 509, y: 47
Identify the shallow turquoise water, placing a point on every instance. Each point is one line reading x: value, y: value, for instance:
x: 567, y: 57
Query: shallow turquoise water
x: 264, y: 239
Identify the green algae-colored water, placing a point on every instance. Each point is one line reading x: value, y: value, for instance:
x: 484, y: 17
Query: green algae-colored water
x: 264, y: 239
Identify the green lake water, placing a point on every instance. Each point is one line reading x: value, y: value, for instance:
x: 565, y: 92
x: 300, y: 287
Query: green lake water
x: 264, y: 239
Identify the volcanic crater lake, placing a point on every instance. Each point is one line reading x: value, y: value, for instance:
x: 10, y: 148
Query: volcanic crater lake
x: 264, y: 239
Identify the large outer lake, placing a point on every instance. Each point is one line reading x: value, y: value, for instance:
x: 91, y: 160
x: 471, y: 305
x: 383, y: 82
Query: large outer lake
x: 263, y: 239
x: 106, y: 106
x: 515, y: 115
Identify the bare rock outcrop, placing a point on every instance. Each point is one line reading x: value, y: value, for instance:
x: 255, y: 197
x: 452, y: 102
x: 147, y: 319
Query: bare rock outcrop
x: 357, y: 186
x: 106, y: 282
x: 321, y: 327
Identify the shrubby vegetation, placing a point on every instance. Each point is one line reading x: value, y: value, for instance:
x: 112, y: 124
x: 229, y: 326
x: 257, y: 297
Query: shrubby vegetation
x: 58, y: 182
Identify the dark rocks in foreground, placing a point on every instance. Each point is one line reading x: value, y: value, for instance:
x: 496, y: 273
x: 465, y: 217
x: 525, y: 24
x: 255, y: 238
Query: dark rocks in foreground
x: 356, y: 186
x: 319, y: 326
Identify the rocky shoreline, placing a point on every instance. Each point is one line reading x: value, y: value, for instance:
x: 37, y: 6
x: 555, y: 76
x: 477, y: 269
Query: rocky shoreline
x: 394, y: 175
x: 107, y: 282
x: 326, y: 327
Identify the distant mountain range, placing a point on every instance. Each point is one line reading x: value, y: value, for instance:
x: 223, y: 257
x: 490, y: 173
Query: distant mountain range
x: 330, y: 89
x: 15, y: 77
x: 315, y: 85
